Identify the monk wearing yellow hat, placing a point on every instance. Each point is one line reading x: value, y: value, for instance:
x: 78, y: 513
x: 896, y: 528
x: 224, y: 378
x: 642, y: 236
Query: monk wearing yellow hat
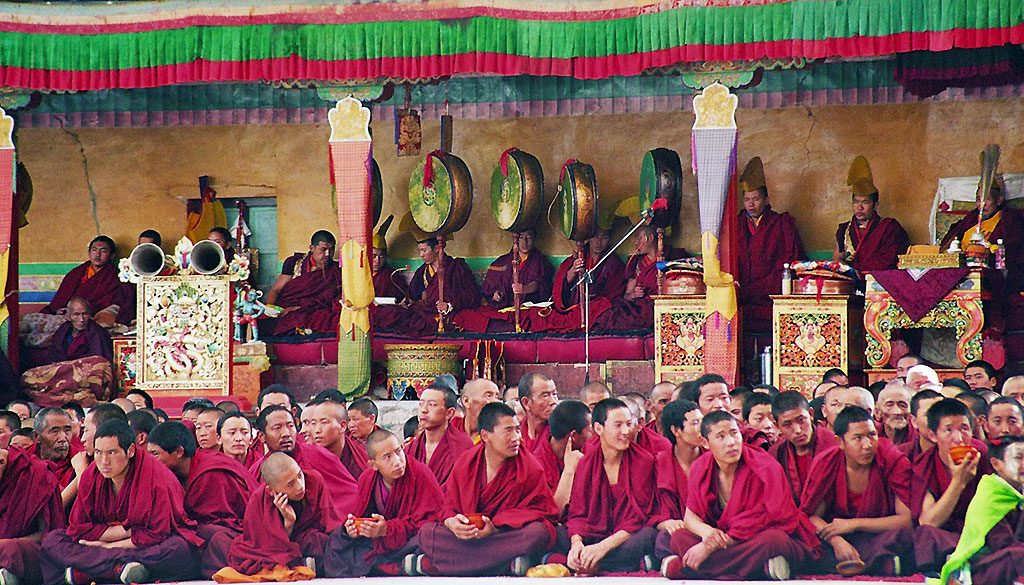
x: 868, y: 242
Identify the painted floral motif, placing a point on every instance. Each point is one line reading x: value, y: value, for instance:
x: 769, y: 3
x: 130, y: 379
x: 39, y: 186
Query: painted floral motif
x: 682, y: 339
x: 810, y: 341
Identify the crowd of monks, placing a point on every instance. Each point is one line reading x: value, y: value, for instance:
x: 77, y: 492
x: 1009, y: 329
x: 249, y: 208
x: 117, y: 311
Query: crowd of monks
x: 699, y: 480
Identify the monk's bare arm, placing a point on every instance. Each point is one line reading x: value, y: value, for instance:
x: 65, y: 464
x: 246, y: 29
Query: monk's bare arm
x: 115, y: 533
x: 696, y: 526
x: 936, y: 513
x: 818, y: 518
x: 275, y: 289
x: 901, y: 519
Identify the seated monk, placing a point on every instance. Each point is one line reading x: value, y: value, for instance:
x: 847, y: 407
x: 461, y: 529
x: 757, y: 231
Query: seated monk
x: 96, y: 281
x: 767, y: 240
x: 285, y: 527
x: 141, y: 422
x: 206, y: 428
x: 128, y: 523
x: 79, y: 365
x: 97, y: 417
x: 396, y: 496
x: 645, y: 437
x: 308, y: 290
x: 657, y: 399
x: 613, y: 498
x: 893, y: 413
x: 802, y: 440
x: 740, y: 521
x: 439, y: 443
x: 387, y: 281
x: 681, y: 420
x: 570, y: 430
x: 362, y: 419
x: 941, y: 489
x: 54, y: 446
x: 417, y: 316
x: 498, y: 512
x: 711, y: 393
x: 857, y: 496
x: 235, y: 433
x: 9, y: 422
x: 31, y: 506
x: 1005, y: 418
x: 538, y: 397
x: 609, y: 280
x: 757, y: 423
x: 919, y: 405
x: 475, y: 394
x: 594, y: 392
x: 330, y: 431
x: 276, y: 426
x: 535, y: 275
x: 22, y: 439
x: 868, y: 242
x: 222, y: 237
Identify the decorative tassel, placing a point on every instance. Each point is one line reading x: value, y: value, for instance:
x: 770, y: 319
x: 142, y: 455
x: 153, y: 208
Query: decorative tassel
x: 428, y: 169
x: 503, y: 161
x: 728, y: 331
x: 561, y: 175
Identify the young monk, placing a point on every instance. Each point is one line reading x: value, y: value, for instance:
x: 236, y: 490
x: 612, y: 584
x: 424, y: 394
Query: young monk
x: 330, y: 432
x: 759, y: 428
x: 128, y: 523
x: 142, y: 423
x: 97, y: 417
x: 396, y: 496
x: 538, y: 397
x: 1005, y: 418
x: 206, y: 428
x: 919, y: 405
x: 681, y: 422
x: 235, y: 433
x: 286, y: 525
x: 802, y: 440
x: 498, y: 511
x: 9, y: 422
x: 893, y: 413
x: 439, y: 443
x: 857, y: 496
x: 570, y: 430
x: 30, y: 506
x: 613, y: 497
x: 740, y: 521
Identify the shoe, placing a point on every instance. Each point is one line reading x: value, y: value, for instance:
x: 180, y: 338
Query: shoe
x: 777, y: 569
x: 672, y: 567
x: 648, y: 563
x: 409, y: 565
x: 520, y: 565
x: 424, y: 566
x: 310, y: 563
x: 890, y: 566
x: 133, y: 573
x: 73, y: 576
x: 7, y: 577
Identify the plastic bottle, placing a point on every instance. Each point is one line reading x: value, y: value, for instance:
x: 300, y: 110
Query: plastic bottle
x: 1000, y: 255
x: 787, y: 280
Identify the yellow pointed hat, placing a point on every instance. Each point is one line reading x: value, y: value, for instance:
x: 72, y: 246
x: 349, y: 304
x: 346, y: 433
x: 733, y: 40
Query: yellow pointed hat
x: 752, y: 178
x: 859, y: 178
x: 380, y: 241
x: 606, y: 217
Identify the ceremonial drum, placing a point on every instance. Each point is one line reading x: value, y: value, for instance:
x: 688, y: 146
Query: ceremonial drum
x: 684, y: 282
x: 822, y: 282
x: 376, y: 191
x: 413, y: 366
x: 575, y: 206
x: 443, y: 204
x: 661, y: 176
x: 517, y: 191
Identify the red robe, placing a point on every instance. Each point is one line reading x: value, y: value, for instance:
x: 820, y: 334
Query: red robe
x: 315, y: 292
x: 597, y: 509
x: 672, y: 482
x: 549, y: 462
x: 452, y: 444
x: 909, y: 435
x: 609, y: 281
x: 652, y: 441
x: 535, y: 268
x: 420, y: 320
x: 889, y: 481
x: 340, y: 483
x: 414, y: 500
x: 763, y: 249
x: 265, y: 543
x: 543, y: 435
x: 102, y: 289
x: 94, y: 340
x: 931, y: 476
x: 62, y: 469
x: 1010, y: 230
x: 217, y: 490
x: 354, y: 457
x: 798, y: 467
x: 636, y: 313
x: 877, y: 247
x: 29, y: 503
x: 388, y: 282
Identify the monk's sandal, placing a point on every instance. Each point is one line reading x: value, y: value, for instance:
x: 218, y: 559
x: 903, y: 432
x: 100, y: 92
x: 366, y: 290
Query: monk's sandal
x: 133, y: 573
x: 7, y: 577
x: 777, y: 569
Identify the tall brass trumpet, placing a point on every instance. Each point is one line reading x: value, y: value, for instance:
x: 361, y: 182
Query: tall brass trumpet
x: 149, y: 260
x: 207, y: 258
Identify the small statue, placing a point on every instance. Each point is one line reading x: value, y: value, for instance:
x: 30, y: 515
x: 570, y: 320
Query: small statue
x: 248, y: 309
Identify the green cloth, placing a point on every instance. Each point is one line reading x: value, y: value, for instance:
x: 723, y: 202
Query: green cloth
x: 993, y: 500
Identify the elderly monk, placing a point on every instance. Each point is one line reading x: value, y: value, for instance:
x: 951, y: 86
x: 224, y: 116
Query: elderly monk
x: 206, y: 428
x: 570, y: 430
x: 644, y: 436
x: 235, y: 433
x: 893, y: 413
x: 858, y: 496
x: 802, y: 440
x: 1013, y: 387
x: 9, y: 422
x: 538, y: 397
x: 128, y: 523
x: 614, y: 495
x: 55, y: 447
x: 868, y: 242
x: 387, y: 281
x: 681, y: 423
x: 839, y: 397
x: 475, y: 394
x: 95, y: 280
x: 767, y: 240
x: 331, y: 433
x: 1005, y: 418
x: 535, y: 276
x: 30, y: 506
x: 362, y: 419
x: 308, y: 289
x: 286, y: 524
x: 418, y: 315
x: 498, y: 511
x: 919, y: 405
x: 396, y: 496
x: 594, y: 392
x: 740, y: 520
x: 276, y: 425
x: 439, y: 443
x: 711, y: 393
x: 659, y: 396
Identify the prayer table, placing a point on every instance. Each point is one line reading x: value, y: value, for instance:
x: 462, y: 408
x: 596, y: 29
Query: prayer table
x: 812, y: 334
x: 678, y: 337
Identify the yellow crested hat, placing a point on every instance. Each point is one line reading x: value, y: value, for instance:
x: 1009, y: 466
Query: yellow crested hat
x: 380, y: 236
x: 752, y: 178
x: 859, y: 178
x: 606, y: 217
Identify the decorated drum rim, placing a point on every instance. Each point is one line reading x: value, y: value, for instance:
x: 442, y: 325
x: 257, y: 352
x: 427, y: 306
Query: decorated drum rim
x: 575, y: 172
x: 376, y: 190
x: 531, y: 201
x: 661, y: 161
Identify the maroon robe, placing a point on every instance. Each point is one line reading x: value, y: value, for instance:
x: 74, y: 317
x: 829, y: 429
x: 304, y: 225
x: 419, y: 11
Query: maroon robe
x: 102, y: 289
x: 354, y: 457
x: 912, y: 450
x: 93, y: 341
x: 636, y: 313
x: 62, y: 469
x: 29, y: 503
x: 217, y: 490
x: 315, y: 292
x: 388, y: 282
x: 652, y: 441
x: 597, y: 509
x: 797, y: 467
x: 543, y: 434
x: 877, y: 247
x: 534, y: 268
x: 452, y: 444
x: 1009, y: 229
x: 340, y: 482
x: 609, y: 281
x: 265, y: 543
x: 1005, y: 556
x: 763, y: 248
x: 420, y: 320
x: 909, y: 435
x: 518, y: 502
x: 549, y: 462
x: 672, y: 482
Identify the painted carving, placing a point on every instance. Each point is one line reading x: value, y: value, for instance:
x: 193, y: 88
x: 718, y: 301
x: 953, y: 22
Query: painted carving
x: 349, y: 120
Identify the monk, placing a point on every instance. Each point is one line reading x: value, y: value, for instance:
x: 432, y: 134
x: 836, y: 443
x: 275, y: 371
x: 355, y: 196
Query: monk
x: 387, y: 281
x: 9, y: 422
x: 222, y: 237
x: 740, y: 520
x: 710, y: 392
x: 141, y: 423
x: 30, y: 506
x: 140, y: 398
x: 941, y: 489
x: 681, y: 423
x: 801, y: 440
x: 594, y: 392
x: 857, y: 496
x: 759, y: 428
x: 95, y: 280
x: 767, y: 240
x: 475, y: 394
x: 418, y: 315
x: 614, y: 495
x: 206, y: 428
x: 894, y: 414
x: 1005, y: 418
x: 128, y: 524
x: 840, y: 397
x: 609, y: 280
x: 868, y: 242
x: 659, y: 396
x: 396, y: 496
x: 362, y: 419
x: 276, y: 425
x: 52, y: 434
x: 570, y: 430
x: 22, y: 408
x: 919, y: 405
x: 235, y: 433
x: 440, y: 443
x: 979, y: 411
x: 193, y: 406
x: 22, y: 439
x: 276, y: 395
x: 644, y: 436
x: 308, y: 289
x: 498, y: 513
x: 80, y: 337
x: 535, y: 276
x: 286, y: 524
x: 331, y: 433
x: 538, y: 396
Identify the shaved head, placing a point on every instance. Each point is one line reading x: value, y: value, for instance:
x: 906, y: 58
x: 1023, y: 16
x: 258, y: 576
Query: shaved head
x: 376, y: 439
x: 125, y: 404
x: 333, y: 410
x: 593, y: 393
x: 276, y: 467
